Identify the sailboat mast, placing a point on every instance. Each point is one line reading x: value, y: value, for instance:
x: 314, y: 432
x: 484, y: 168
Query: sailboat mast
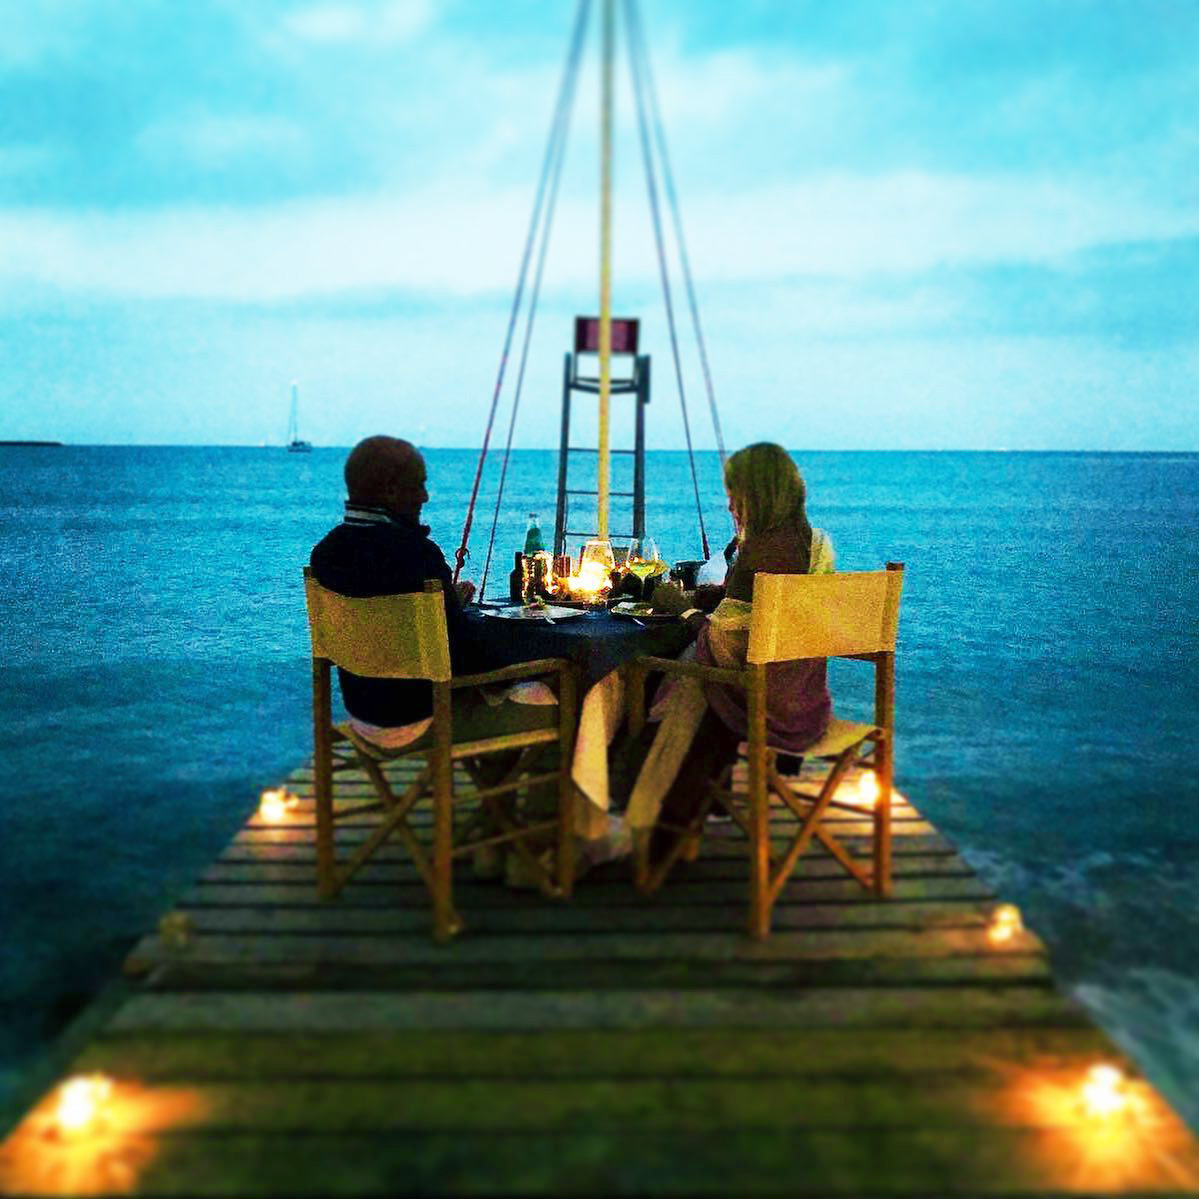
x: 605, y: 329
x: 293, y: 424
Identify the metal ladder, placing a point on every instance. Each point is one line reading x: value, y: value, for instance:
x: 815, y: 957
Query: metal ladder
x: 637, y: 386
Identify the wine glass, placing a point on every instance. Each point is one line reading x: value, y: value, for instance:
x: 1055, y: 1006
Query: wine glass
x: 595, y: 568
x: 643, y: 562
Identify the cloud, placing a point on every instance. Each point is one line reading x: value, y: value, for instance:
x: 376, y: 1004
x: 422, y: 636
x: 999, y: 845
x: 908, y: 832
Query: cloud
x: 213, y: 141
x: 49, y: 30
x: 25, y: 159
x: 452, y: 239
x: 370, y: 24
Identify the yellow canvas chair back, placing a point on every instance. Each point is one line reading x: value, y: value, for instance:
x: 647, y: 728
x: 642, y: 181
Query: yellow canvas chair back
x: 383, y: 637
x: 405, y: 637
x: 850, y: 615
x: 824, y: 616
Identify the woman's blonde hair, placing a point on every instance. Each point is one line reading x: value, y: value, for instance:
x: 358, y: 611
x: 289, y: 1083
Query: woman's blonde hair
x: 765, y: 488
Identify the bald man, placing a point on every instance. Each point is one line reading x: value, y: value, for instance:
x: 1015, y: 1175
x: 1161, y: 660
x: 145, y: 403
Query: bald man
x: 381, y: 548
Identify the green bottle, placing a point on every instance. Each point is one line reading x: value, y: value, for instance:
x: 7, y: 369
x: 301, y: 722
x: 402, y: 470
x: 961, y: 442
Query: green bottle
x: 533, y: 542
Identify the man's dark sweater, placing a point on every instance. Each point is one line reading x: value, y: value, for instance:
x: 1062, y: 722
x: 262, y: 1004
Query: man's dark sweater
x: 374, y: 553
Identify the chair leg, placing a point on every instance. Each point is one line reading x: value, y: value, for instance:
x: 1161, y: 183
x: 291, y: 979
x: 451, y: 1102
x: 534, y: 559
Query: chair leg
x: 884, y: 718
x: 322, y: 770
x: 882, y: 819
x: 641, y: 869
x: 686, y: 846
x: 759, y: 870
x: 759, y: 809
x: 446, y: 922
x: 567, y: 794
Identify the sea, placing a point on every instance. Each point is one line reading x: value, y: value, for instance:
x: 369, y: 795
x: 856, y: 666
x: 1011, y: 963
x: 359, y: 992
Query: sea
x: 155, y: 678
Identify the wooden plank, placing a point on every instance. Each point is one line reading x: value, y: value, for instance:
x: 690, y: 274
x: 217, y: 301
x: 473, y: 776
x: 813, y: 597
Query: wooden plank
x: 560, y: 920
x: 811, y: 945
x: 520, y: 1106
x: 394, y: 865
x: 469, y: 895
x: 680, y: 976
x: 265, y: 847
x: 879, y: 1007
x: 352, y: 834
x: 586, y: 1053
x: 913, y: 1161
x: 352, y: 794
x: 356, y: 794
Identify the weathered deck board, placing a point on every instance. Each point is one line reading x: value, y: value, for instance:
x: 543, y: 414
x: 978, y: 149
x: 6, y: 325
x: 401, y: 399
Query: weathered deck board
x: 607, y: 1045
x: 588, y: 1053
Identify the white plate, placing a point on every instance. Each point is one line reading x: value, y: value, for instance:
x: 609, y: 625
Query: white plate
x: 516, y: 612
x: 643, y: 617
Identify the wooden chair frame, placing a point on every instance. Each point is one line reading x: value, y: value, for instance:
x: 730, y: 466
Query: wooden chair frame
x: 843, y: 744
x: 435, y: 782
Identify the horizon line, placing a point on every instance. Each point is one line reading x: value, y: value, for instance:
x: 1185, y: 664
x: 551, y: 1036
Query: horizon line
x: 49, y: 443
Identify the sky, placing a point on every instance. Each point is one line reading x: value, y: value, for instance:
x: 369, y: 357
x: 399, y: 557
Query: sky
x: 935, y: 224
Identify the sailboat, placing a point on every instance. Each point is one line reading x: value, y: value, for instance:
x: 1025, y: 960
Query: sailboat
x: 295, y: 443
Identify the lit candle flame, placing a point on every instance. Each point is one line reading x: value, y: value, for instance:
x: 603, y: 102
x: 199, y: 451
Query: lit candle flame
x: 590, y: 579
x: 1104, y: 1091
x: 275, y: 803
x: 79, y: 1101
x: 1005, y: 923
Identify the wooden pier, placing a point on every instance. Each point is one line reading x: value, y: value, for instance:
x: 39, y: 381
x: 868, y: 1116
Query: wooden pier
x: 271, y: 1044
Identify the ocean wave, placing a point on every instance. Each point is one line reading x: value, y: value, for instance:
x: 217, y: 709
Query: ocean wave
x: 1123, y: 932
x: 1153, y: 1015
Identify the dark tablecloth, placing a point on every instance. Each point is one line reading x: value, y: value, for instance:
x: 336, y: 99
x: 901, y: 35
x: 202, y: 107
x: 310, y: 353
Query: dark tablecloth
x: 596, y: 642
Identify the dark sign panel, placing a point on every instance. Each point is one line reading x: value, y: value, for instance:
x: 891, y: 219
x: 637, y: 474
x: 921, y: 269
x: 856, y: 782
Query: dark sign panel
x: 624, y: 335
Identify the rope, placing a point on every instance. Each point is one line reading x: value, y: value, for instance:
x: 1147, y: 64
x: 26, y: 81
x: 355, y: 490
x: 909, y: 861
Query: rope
x: 635, y: 33
x: 566, y: 87
x: 551, y: 206
x: 651, y: 185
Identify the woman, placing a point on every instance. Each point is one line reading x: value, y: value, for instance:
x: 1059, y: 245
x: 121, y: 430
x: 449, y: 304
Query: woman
x: 702, y: 724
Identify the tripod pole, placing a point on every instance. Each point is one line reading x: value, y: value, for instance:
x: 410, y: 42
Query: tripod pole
x: 605, y: 329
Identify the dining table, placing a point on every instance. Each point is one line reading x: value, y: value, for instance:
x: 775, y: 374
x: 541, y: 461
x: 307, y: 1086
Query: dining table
x: 599, y: 644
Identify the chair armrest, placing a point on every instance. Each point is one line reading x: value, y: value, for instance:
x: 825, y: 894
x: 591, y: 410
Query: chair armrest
x: 695, y: 670
x: 522, y: 670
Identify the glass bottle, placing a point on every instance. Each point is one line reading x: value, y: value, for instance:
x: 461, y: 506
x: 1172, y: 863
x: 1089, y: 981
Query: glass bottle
x: 533, y: 541
x: 516, y: 580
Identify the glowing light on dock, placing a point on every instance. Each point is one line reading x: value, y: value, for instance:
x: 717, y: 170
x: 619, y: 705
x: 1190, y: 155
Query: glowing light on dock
x: 80, y: 1102
x: 275, y: 803
x: 868, y: 789
x: 1006, y: 922
x: 1104, y: 1091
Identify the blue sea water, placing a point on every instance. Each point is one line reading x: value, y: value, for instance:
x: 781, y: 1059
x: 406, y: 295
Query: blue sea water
x: 154, y: 654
